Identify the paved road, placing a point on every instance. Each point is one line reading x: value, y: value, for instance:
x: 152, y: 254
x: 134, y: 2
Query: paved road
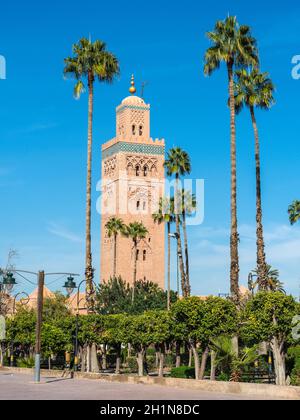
x: 20, y: 387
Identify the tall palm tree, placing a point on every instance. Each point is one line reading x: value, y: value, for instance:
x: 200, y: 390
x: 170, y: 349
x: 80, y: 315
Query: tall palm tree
x: 233, y: 45
x: 135, y: 231
x: 189, y: 205
x: 294, y: 212
x: 166, y: 215
x: 178, y: 163
x: 254, y: 89
x: 115, y: 226
x: 90, y: 62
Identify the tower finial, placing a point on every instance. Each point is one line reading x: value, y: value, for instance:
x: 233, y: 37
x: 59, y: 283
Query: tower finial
x: 132, y: 88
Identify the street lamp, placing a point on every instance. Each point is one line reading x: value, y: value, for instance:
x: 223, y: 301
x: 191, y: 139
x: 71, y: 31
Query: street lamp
x: 9, y: 282
x: 70, y: 285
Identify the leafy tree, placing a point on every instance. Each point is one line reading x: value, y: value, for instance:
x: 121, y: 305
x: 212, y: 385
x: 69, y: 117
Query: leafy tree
x: 178, y: 164
x: 234, y: 45
x: 136, y: 231
x: 53, y: 341
x: 113, y: 335
x: 294, y: 212
x: 90, y: 61
x: 254, y: 89
x: 269, y: 317
x: 115, y: 297
x: 56, y: 307
x: 115, y: 226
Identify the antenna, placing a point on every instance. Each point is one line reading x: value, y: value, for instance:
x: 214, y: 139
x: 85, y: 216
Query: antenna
x: 143, y: 89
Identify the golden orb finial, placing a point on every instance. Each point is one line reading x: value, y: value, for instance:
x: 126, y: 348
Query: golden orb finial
x: 132, y: 88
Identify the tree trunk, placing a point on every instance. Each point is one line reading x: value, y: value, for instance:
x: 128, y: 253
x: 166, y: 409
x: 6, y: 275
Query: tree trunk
x: 83, y: 359
x: 128, y: 350
x: 178, y: 357
x: 94, y: 359
x: 190, y: 356
x: 118, y: 360
x: 88, y: 253
x: 203, y: 363
x: 115, y: 255
x: 262, y: 270
x: 169, y: 268
x: 161, y: 362
x: 177, y: 208
x: 234, y: 238
x: 279, y: 362
x: 140, y: 362
x: 212, y: 365
x: 104, y: 359
x: 134, y: 270
x: 235, y: 345
x: 196, y: 360
x: 49, y: 363
x: 88, y: 358
x: 187, y: 270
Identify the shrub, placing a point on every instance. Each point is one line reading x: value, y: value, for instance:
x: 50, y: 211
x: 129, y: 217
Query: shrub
x: 183, y: 372
x: 132, y: 364
x: 223, y: 377
x: 25, y: 363
x: 294, y: 356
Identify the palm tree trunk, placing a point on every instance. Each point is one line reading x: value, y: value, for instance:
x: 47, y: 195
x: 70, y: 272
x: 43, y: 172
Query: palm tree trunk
x: 88, y: 252
x: 187, y: 270
x: 169, y: 267
x: 115, y: 255
x: 134, y: 271
x: 234, y: 239
x: 261, y: 257
x: 177, y: 208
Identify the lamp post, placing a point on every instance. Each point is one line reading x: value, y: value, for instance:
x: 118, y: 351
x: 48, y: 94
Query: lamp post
x: 70, y: 285
x: 9, y: 283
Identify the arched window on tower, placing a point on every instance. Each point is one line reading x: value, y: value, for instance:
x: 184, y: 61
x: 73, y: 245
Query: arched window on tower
x: 133, y: 130
x: 138, y: 205
x: 144, y: 255
x: 137, y: 170
x: 145, y: 171
x: 137, y: 254
x: 141, y: 130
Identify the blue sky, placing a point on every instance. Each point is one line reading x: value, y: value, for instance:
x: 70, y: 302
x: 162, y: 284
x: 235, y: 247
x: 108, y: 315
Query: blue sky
x: 43, y: 129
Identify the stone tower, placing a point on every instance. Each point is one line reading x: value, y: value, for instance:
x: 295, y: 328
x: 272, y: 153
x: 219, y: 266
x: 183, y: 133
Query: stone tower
x: 133, y: 182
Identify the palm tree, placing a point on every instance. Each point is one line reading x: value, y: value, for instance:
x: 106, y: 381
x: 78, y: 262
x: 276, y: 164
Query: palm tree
x: 166, y: 215
x: 178, y: 163
x: 255, y: 90
x: 90, y: 61
x: 233, y: 45
x: 294, y: 212
x: 189, y: 205
x: 115, y: 226
x: 271, y: 281
x: 136, y: 231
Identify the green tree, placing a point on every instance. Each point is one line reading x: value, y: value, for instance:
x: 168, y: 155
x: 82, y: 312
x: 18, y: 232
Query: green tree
x: 294, y: 212
x: 53, y: 340
x: 90, y: 61
x: 56, y: 307
x: 136, y: 231
x: 254, y: 89
x: 115, y: 297
x: 178, y: 164
x: 165, y: 214
x: 271, y: 282
x: 232, y: 44
x: 269, y: 317
x: 114, y: 227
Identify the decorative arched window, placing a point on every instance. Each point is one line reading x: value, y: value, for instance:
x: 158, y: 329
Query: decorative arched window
x: 138, y: 205
x: 137, y: 170
x: 145, y: 171
x: 141, y: 130
x: 144, y: 255
x: 137, y: 254
x: 133, y: 130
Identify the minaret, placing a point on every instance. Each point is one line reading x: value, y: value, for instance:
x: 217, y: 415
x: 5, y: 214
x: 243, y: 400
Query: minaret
x: 133, y: 179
